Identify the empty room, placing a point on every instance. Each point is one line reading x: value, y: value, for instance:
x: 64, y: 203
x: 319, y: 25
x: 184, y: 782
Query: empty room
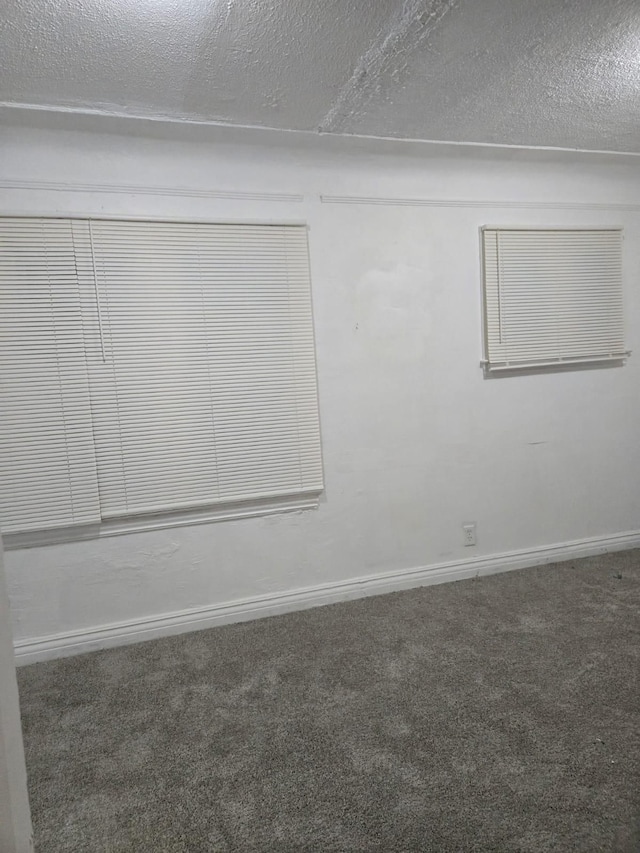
x: 319, y: 426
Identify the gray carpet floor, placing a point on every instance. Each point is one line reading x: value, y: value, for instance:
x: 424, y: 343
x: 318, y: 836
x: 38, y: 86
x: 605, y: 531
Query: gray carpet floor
x: 497, y: 714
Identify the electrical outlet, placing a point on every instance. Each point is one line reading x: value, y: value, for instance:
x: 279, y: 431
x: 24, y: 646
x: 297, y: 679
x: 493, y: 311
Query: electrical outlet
x: 469, y: 531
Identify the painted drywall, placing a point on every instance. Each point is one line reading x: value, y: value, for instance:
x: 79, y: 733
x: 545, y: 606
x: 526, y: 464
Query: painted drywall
x: 545, y: 73
x: 15, y: 817
x: 415, y: 441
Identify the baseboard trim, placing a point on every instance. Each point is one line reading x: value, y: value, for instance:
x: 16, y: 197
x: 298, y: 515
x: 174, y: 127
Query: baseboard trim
x: 123, y: 633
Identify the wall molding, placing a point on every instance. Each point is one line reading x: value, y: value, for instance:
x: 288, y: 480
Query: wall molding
x: 298, y: 198
x: 132, y: 189
x: 478, y: 203
x: 123, y: 633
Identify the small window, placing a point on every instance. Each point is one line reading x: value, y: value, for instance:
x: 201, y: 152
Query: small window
x: 552, y: 298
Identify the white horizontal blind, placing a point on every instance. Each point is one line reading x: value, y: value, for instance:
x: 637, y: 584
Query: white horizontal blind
x: 47, y: 463
x: 206, y: 393
x: 552, y: 297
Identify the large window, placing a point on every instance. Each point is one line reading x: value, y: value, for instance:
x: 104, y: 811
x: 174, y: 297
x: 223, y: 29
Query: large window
x: 552, y: 297
x: 153, y: 372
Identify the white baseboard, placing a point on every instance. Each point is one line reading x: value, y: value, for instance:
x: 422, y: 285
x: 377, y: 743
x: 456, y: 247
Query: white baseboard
x: 150, y: 627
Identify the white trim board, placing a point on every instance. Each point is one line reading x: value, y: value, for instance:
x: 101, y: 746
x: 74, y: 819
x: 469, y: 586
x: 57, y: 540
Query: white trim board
x: 134, y: 189
x: 297, y: 198
x: 151, y: 627
x: 479, y: 203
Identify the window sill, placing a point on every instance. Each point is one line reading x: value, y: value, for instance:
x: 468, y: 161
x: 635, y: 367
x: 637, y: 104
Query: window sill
x: 568, y: 363
x: 161, y: 521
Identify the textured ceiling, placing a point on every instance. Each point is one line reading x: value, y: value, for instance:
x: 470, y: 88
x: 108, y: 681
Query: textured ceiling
x: 560, y: 73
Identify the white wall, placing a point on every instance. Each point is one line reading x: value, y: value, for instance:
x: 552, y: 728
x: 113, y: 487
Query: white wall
x: 415, y: 440
x: 15, y: 818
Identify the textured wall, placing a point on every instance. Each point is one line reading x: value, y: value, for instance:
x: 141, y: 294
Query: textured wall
x: 543, y: 73
x: 415, y: 441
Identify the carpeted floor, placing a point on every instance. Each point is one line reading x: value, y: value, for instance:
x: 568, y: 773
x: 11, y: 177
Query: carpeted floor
x: 498, y: 714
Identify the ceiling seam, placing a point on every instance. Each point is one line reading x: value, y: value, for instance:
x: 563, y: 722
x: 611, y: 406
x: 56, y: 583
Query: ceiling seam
x: 411, y: 25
